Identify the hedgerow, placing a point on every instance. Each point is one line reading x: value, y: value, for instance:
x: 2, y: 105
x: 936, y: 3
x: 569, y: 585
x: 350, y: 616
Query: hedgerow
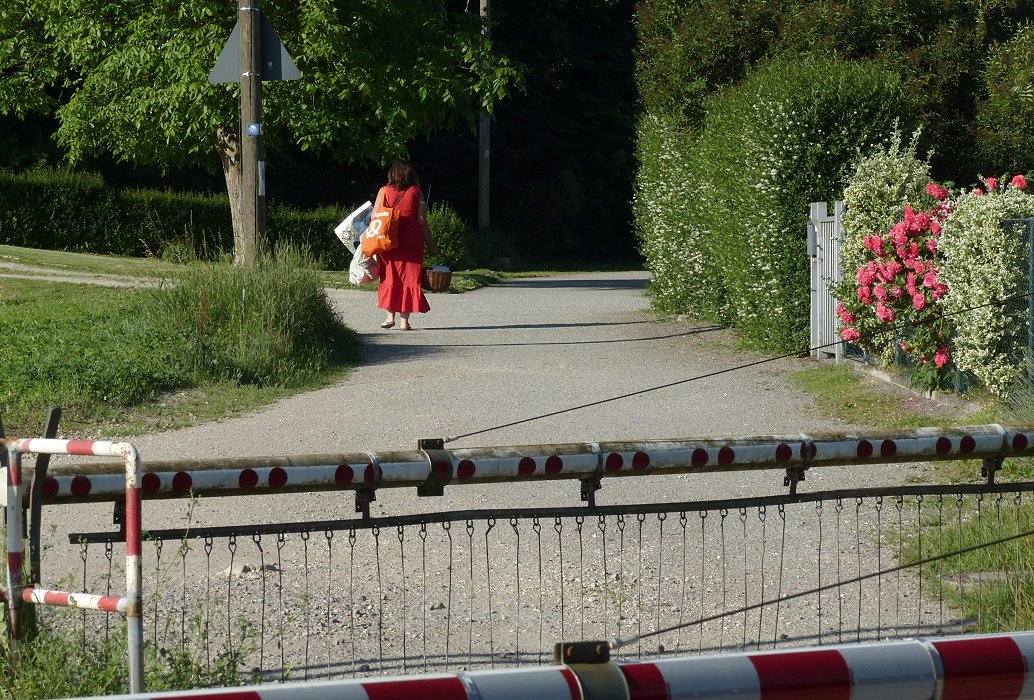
x: 63, y: 210
x: 732, y: 205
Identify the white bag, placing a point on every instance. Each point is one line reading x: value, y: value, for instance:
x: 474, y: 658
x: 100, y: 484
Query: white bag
x: 349, y: 230
x: 363, y: 269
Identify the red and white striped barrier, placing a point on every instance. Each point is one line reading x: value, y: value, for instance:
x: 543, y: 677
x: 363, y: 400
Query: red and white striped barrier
x: 519, y: 464
x: 991, y: 667
x: 130, y: 605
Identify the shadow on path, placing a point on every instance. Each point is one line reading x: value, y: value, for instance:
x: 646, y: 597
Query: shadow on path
x: 520, y: 326
x: 553, y: 283
x: 695, y: 331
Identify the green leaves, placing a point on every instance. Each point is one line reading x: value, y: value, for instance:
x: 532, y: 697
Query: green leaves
x: 132, y: 75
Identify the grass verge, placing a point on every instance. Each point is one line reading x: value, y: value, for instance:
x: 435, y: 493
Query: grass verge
x: 216, y: 341
x: 992, y: 588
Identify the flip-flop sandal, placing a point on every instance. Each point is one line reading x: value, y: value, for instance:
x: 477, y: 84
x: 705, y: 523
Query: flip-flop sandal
x: 405, y: 328
x: 386, y: 324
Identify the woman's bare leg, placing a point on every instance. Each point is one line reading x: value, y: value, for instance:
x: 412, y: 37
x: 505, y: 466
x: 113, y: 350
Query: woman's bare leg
x: 404, y: 321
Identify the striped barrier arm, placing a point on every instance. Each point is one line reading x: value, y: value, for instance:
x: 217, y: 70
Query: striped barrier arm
x: 583, y: 461
x: 131, y: 605
x: 958, y: 668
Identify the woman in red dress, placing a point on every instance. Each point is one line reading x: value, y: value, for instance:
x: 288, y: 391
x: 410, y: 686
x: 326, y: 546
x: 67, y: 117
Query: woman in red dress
x: 402, y: 268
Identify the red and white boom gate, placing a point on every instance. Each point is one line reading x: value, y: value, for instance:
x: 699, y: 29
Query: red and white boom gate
x: 15, y: 594
x: 432, y: 467
x: 991, y: 667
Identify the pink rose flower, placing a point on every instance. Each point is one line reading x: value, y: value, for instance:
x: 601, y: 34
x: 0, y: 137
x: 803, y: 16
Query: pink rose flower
x: 931, y: 245
x: 874, y: 244
x: 897, y: 292
x: 919, y: 301
x: 935, y: 227
x: 978, y: 192
x: 880, y: 292
x: 891, y: 269
x: 865, y: 276
x: 865, y: 295
x: 930, y: 279
x: 940, y: 358
x: 991, y: 182
x: 904, y: 346
x: 885, y: 314
x: 936, y: 191
x: 849, y: 334
x: 846, y: 317
x: 1019, y: 182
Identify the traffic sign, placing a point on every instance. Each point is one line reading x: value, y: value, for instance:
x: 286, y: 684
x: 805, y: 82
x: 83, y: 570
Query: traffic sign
x: 276, y: 62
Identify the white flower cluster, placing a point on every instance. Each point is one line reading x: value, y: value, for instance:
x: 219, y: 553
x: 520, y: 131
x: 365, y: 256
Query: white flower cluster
x: 882, y: 183
x: 985, y: 262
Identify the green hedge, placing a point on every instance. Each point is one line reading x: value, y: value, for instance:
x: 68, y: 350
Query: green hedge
x: 60, y: 210
x: 722, y: 217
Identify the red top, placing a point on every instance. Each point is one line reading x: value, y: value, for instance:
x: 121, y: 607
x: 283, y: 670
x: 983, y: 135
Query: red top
x: 403, y: 267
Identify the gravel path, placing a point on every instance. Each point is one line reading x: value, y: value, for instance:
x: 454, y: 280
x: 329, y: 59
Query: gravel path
x: 501, y: 354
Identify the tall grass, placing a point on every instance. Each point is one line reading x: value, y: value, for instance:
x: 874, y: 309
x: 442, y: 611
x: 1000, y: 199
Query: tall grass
x: 265, y: 324
x: 59, y: 663
x: 991, y: 587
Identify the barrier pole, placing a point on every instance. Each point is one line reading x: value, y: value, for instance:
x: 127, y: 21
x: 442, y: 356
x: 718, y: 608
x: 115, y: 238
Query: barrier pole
x: 134, y: 534
x: 15, y: 553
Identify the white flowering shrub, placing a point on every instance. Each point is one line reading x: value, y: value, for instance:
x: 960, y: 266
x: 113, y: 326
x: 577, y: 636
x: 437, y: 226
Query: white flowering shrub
x: 683, y: 276
x: 879, y: 187
x: 986, y: 262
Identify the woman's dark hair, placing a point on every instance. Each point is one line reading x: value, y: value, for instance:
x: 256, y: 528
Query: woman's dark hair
x: 402, y: 174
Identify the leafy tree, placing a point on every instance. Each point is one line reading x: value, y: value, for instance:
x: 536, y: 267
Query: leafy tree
x: 1006, y: 116
x: 689, y: 49
x: 563, y: 149
x: 129, y: 77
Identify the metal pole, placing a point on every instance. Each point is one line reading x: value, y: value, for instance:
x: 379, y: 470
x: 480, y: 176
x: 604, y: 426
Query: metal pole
x: 253, y: 190
x: 484, y: 142
x: 15, y: 552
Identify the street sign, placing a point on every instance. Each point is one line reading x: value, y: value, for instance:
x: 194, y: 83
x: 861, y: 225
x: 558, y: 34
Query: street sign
x: 276, y: 62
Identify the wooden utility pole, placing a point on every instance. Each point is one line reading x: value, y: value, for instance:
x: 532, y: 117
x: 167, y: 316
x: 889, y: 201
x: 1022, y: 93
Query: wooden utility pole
x: 253, y: 53
x: 484, y: 141
x: 253, y: 176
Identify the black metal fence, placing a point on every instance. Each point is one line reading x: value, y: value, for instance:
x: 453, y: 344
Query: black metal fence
x: 481, y: 589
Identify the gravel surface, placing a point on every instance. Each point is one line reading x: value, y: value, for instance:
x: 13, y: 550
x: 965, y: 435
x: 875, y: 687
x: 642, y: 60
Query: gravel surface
x: 482, y: 359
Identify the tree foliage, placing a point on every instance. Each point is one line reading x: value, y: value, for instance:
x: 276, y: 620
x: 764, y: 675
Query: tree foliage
x: 1006, y: 115
x: 129, y: 78
x: 691, y: 48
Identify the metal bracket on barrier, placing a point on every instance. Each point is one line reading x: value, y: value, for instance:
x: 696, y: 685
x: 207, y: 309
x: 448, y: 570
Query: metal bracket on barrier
x: 795, y: 475
x: 581, y: 653
x: 592, y: 484
x: 118, y: 517
x: 990, y: 467
x: 598, y: 678
x: 439, y: 464
x: 368, y: 494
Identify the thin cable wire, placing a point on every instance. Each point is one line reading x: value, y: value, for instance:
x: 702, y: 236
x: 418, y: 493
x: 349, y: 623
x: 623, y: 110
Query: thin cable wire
x: 619, y: 643
x: 808, y: 351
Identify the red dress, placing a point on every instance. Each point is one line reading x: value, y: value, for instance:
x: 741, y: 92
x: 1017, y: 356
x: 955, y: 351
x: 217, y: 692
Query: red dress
x: 402, y: 268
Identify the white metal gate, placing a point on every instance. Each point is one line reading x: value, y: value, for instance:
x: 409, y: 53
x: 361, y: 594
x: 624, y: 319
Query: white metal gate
x: 824, y: 239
